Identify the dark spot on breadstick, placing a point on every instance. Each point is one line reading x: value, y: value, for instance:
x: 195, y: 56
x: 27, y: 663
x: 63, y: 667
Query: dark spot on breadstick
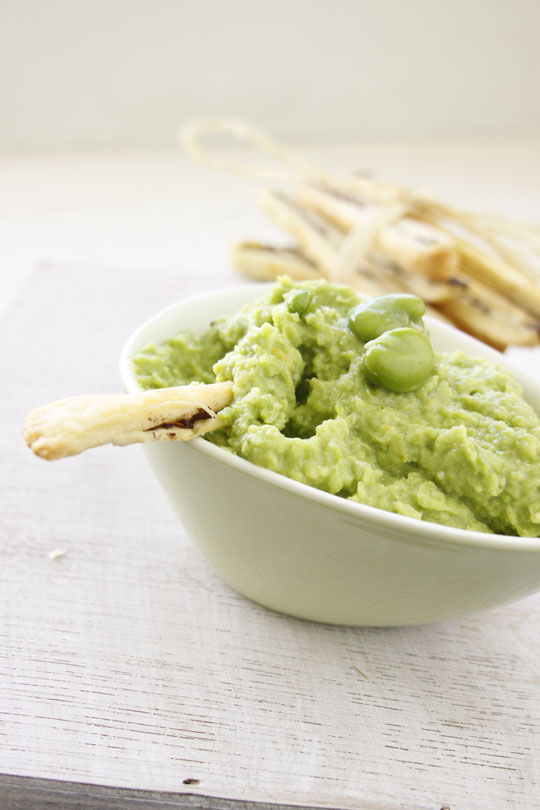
x: 185, y: 424
x: 341, y: 195
x: 480, y: 305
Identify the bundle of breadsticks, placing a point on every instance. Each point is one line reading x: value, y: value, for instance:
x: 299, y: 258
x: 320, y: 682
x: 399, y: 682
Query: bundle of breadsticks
x: 479, y: 271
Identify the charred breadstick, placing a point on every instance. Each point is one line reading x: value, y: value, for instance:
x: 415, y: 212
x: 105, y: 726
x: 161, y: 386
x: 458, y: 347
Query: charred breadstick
x: 501, y: 276
x: 265, y: 262
x: 490, y: 317
x: 318, y: 238
x: 416, y: 246
x: 376, y: 276
x: 373, y: 278
x: 321, y: 242
x: 432, y: 292
x: 75, y: 424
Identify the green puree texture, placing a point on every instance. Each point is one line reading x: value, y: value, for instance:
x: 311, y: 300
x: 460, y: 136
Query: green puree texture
x: 462, y: 450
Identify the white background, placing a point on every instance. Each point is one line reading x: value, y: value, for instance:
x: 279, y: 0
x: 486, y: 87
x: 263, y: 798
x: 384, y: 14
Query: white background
x: 87, y: 73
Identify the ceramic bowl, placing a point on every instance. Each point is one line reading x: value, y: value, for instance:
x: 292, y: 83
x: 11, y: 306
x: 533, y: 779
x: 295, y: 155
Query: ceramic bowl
x: 316, y: 556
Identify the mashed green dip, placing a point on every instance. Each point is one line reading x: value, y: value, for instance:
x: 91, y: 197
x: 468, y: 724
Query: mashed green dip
x: 463, y: 449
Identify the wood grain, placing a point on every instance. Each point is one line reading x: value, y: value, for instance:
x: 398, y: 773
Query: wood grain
x: 127, y: 663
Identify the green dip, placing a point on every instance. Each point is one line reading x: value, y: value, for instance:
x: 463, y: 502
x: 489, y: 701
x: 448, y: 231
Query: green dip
x: 463, y: 449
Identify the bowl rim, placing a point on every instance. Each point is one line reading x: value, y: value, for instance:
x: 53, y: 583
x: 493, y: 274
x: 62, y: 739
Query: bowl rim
x: 407, y: 527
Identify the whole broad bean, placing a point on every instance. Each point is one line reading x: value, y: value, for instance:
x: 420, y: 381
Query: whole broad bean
x: 371, y: 318
x: 299, y: 301
x: 399, y: 360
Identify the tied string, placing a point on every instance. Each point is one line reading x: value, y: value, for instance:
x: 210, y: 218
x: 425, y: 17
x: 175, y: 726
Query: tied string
x: 390, y: 203
x: 515, y: 243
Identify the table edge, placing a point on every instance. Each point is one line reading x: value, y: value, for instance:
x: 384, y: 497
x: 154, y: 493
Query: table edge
x: 33, y: 793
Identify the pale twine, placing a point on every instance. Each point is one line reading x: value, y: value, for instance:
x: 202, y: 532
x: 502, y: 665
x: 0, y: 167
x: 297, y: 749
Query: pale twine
x: 507, y: 238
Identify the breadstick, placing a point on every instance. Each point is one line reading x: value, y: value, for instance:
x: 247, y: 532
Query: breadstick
x: 70, y: 426
x: 432, y: 292
x: 266, y: 263
x: 322, y: 242
x: 501, y: 276
x: 319, y: 239
x: 416, y: 246
x: 490, y: 317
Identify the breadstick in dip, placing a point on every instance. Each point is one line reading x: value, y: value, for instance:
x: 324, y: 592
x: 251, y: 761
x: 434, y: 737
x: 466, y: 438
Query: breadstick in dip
x: 70, y: 426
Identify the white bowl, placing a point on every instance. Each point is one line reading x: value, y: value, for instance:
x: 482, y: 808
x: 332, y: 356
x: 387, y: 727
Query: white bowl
x: 314, y: 555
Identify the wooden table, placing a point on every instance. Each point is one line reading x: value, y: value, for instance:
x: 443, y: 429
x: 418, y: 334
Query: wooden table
x: 131, y: 677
